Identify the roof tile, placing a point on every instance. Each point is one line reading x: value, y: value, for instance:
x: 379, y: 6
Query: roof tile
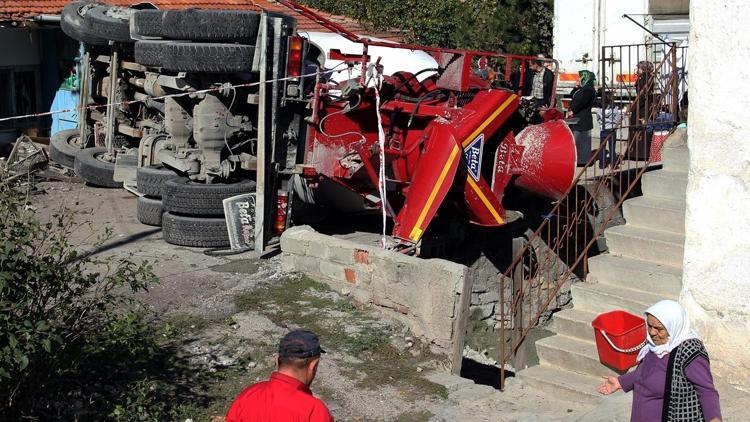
x: 24, y: 9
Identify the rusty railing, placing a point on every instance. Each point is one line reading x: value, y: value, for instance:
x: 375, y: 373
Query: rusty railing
x: 635, y: 110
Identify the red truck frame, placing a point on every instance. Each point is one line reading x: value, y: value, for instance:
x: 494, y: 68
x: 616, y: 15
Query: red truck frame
x: 452, y: 140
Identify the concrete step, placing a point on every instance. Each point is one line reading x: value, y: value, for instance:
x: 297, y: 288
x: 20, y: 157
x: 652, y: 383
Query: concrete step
x: 571, y: 355
x: 473, y: 393
x: 635, y: 274
x: 664, y: 184
x: 676, y: 158
x: 655, y: 246
x: 600, y: 298
x: 656, y: 213
x: 574, y: 323
x: 562, y: 385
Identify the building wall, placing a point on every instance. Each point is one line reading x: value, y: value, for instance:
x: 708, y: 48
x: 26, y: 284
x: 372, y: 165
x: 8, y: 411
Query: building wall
x: 716, y: 281
x: 32, y: 63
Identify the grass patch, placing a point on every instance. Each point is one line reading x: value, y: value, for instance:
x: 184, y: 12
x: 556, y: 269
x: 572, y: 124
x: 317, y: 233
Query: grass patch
x: 178, y: 325
x: 305, y: 302
x: 417, y: 416
x: 290, y: 293
x: 261, y: 354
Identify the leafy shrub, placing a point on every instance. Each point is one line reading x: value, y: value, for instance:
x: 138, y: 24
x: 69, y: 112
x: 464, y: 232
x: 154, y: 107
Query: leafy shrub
x: 69, y: 335
x: 510, y: 26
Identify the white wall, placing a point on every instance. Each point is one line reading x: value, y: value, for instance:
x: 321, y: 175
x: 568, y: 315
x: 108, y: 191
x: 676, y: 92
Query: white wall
x: 585, y: 26
x: 716, y: 281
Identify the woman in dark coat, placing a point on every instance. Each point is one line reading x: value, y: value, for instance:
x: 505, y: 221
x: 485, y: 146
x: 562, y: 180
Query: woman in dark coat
x: 582, y: 99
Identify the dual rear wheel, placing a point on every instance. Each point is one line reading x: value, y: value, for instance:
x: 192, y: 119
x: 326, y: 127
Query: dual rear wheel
x: 190, y: 213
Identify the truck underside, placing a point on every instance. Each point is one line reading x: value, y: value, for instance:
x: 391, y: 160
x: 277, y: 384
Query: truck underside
x: 191, y: 107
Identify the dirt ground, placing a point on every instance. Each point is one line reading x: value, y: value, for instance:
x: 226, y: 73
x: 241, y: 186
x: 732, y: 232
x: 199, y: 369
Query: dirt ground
x: 226, y: 315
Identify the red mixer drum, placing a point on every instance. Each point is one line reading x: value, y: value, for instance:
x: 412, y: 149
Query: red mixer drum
x: 547, y: 166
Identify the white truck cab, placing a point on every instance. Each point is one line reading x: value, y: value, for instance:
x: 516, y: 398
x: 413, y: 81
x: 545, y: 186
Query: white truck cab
x: 583, y: 27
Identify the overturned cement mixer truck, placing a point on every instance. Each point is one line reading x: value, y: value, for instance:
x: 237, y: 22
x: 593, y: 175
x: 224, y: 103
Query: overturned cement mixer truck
x: 334, y: 120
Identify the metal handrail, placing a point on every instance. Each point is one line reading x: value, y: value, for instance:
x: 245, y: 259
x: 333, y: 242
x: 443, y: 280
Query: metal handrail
x: 530, y: 268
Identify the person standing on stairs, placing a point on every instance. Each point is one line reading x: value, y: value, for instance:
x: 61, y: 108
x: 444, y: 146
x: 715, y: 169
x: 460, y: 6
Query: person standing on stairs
x: 639, y: 137
x: 672, y: 381
x: 582, y: 99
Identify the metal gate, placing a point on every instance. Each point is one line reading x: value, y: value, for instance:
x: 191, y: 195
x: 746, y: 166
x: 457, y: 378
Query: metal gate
x: 644, y: 89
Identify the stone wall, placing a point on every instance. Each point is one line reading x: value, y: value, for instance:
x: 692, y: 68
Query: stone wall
x: 716, y: 284
x: 485, y: 294
x: 449, y: 305
x: 431, y: 296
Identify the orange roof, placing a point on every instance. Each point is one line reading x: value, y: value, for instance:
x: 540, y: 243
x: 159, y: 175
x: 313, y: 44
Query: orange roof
x: 23, y: 9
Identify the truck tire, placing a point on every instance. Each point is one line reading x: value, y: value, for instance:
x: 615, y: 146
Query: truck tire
x: 211, y: 25
x: 64, y: 146
x: 149, y: 211
x: 148, y: 53
x: 183, y: 196
x: 197, y: 25
x: 147, y: 23
x: 150, y: 180
x: 200, y: 232
x: 74, y: 25
x: 195, y: 57
x: 93, y: 170
x: 110, y: 22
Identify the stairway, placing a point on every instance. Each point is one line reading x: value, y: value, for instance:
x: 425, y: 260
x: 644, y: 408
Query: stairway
x: 643, y: 266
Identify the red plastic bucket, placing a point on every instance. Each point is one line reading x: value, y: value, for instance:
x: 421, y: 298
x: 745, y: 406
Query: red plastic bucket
x: 619, y: 335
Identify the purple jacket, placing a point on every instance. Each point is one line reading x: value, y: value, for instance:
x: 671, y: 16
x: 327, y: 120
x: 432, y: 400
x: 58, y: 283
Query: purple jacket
x: 648, y: 382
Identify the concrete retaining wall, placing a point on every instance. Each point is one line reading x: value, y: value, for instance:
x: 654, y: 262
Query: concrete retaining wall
x: 431, y: 296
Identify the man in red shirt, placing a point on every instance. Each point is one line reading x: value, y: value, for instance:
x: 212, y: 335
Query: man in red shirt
x: 286, y: 396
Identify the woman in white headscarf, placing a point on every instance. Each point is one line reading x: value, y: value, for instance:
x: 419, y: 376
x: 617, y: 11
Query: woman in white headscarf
x: 673, y: 379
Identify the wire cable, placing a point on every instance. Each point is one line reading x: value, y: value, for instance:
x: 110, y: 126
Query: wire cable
x: 161, y: 97
x: 381, y: 175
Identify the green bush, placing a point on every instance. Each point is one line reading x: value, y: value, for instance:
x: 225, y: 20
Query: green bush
x: 508, y: 26
x: 69, y: 336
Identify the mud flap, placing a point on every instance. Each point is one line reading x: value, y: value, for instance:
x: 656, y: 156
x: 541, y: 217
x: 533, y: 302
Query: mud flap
x: 239, y: 212
x: 433, y: 177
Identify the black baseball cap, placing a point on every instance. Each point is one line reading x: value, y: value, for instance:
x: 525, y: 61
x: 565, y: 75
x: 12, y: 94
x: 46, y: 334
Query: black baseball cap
x: 300, y: 344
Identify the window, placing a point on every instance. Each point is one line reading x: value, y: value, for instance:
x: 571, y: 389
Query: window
x: 18, y: 96
x: 25, y: 89
x: 6, y: 103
